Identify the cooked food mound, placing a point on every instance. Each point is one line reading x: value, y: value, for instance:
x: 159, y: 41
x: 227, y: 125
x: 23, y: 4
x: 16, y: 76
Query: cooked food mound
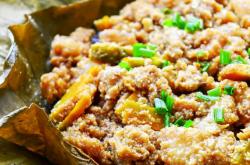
x: 163, y: 82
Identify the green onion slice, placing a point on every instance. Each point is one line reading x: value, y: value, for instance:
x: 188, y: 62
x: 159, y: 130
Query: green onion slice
x: 179, y: 122
x: 225, y: 57
x: 205, y: 66
x: 141, y: 50
x: 200, y: 53
x: 214, y: 92
x: 166, y: 11
x: 248, y: 51
x: 239, y: 60
x: 136, y: 49
x: 193, y: 25
x: 179, y: 21
x: 151, y: 46
x: 170, y: 103
x: 168, y: 22
x: 163, y: 95
x: 188, y: 123
x: 165, y: 64
x: 201, y: 96
x: 218, y: 115
x: 145, y: 52
x: 167, y: 120
x: 125, y: 65
x: 160, y: 106
x: 229, y: 90
x: 169, y: 100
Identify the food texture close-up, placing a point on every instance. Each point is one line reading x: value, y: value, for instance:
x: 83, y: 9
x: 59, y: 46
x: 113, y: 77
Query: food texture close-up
x: 158, y: 82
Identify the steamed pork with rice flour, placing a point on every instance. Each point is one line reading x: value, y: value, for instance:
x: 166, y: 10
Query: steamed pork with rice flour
x: 163, y: 82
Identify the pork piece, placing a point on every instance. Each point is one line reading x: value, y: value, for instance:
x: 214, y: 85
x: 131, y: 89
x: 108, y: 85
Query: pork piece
x: 148, y: 80
x: 171, y: 41
x: 110, y: 82
x: 241, y: 153
x: 239, y: 88
x: 241, y: 8
x: 225, y: 16
x: 209, y: 42
x: 191, y: 146
x: 134, y: 143
x: 138, y: 10
x: 117, y: 36
x: 185, y: 106
x: 138, y: 113
x: 242, y: 98
x: 234, y: 30
x: 214, y: 67
x: 190, y: 107
x: 183, y: 77
x: 245, y: 134
x: 238, y: 72
x: 237, y: 42
x: 203, y: 9
x: 69, y: 49
x: 87, y: 133
x: 55, y: 83
x: 228, y: 105
x: 243, y: 106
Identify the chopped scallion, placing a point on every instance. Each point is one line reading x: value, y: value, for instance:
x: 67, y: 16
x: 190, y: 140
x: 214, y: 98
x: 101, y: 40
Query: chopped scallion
x: 188, y: 123
x: 201, y: 53
x: 168, y: 22
x: 218, y: 115
x: 136, y: 49
x: 141, y: 50
x: 165, y: 63
x: 163, y: 95
x: 248, y: 51
x: 125, y: 65
x: 214, y: 92
x: 179, y: 21
x: 229, y: 90
x: 201, y: 96
x: 145, y: 52
x: 205, y: 66
x: 167, y: 120
x: 166, y: 11
x: 179, y: 122
x: 225, y: 57
x: 170, y: 103
x: 160, y: 106
x: 151, y: 46
x: 239, y: 60
x: 193, y: 25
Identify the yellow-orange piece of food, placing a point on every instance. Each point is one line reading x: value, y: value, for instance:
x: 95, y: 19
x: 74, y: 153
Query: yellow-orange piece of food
x: 104, y: 23
x: 77, y: 98
x: 238, y: 72
x: 132, y: 112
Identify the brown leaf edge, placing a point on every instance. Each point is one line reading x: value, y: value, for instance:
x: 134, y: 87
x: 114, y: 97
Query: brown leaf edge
x: 30, y: 127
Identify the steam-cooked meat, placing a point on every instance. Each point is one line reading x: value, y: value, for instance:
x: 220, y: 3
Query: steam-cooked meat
x: 171, y: 84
